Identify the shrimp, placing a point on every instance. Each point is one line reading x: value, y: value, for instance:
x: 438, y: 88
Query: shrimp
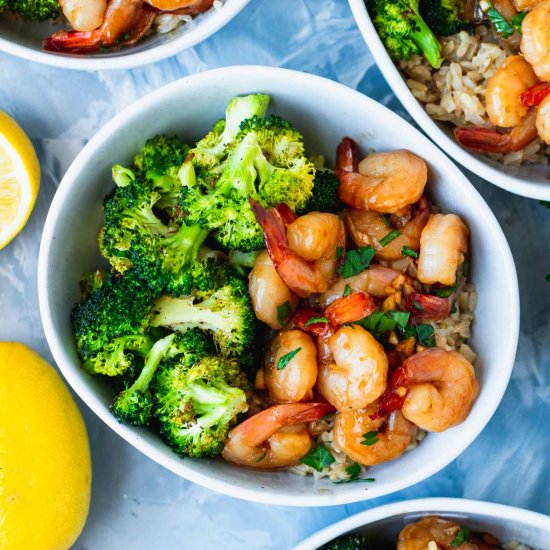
x: 84, y: 15
x: 274, y: 438
x: 370, y: 228
x: 534, y: 95
x: 305, y: 254
x: 182, y: 7
x: 443, y: 245
x: 504, y: 90
x: 442, y: 532
x: 383, y: 182
x: 535, y: 40
x: 350, y: 308
x: 434, y: 388
x: 125, y: 22
x: 294, y: 381
x: 268, y: 291
x: 543, y: 120
x: 371, y: 441
x: 355, y: 371
x: 525, y: 5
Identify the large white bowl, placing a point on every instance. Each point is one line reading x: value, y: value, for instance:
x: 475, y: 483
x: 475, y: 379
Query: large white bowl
x: 529, y: 180
x: 382, y: 524
x: 24, y: 39
x: 325, y: 111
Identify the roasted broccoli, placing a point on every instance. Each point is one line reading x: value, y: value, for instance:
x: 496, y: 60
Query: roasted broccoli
x: 353, y: 541
x: 325, y: 193
x: 444, y: 17
x: 224, y: 311
x: 197, y: 405
x: 403, y: 30
x: 265, y: 161
x: 134, y: 404
x: 111, y: 325
x: 34, y: 10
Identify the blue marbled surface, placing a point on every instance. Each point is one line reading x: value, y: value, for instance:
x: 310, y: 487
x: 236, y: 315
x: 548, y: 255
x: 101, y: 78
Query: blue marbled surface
x: 136, y: 504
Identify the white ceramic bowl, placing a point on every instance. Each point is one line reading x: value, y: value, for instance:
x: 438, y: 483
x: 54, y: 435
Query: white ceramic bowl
x: 529, y: 180
x: 24, y: 39
x: 325, y: 111
x: 382, y: 524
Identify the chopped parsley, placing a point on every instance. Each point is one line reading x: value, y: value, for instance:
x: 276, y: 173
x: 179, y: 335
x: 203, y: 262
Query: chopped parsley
x: 353, y: 470
x: 406, y: 251
x: 287, y: 358
x: 347, y: 290
x: 426, y: 335
x: 315, y: 320
x: 386, y: 218
x: 461, y: 537
x: 370, y: 438
x: 318, y: 458
x: 445, y: 291
x: 381, y: 322
x: 517, y: 20
x: 454, y: 308
x: 339, y: 252
x: 417, y: 306
x: 283, y: 311
x: 356, y: 261
x: 501, y: 24
x: 390, y: 237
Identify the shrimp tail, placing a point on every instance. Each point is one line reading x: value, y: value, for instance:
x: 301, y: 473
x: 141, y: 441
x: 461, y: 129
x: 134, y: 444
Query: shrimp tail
x: 285, y: 214
x: 347, y: 157
x: 349, y: 309
x: 534, y: 95
x: 424, y: 307
x: 301, y: 320
x: 274, y: 231
x: 73, y: 41
x: 394, y: 396
x: 310, y: 412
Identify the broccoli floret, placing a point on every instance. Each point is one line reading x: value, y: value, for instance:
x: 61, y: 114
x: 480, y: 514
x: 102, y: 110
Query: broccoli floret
x: 197, y: 405
x: 403, y: 31
x: 134, y: 404
x: 353, y: 541
x: 224, y: 311
x: 325, y: 193
x: 159, y: 154
x: 111, y: 325
x: 34, y: 10
x: 444, y: 17
x: 92, y: 280
x: 265, y: 162
x: 243, y: 262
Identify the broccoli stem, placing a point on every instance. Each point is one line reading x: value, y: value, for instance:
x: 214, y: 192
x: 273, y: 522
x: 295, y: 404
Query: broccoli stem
x: 187, y: 241
x: 426, y: 40
x: 240, y: 108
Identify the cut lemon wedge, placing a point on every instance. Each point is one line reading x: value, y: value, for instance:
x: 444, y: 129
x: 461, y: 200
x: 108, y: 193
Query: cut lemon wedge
x: 19, y: 178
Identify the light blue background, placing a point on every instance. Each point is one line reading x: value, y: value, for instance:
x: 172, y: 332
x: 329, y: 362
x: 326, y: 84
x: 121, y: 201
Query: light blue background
x: 136, y: 504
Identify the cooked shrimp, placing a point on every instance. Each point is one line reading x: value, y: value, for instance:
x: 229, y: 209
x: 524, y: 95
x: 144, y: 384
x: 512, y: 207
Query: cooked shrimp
x: 535, y: 40
x: 294, y: 381
x: 306, y: 253
x: 356, y: 371
x: 487, y: 140
x: 383, y: 182
x: 370, y: 228
x: 374, y: 281
x: 84, y: 15
x: 182, y: 7
x: 443, y: 245
x: 504, y: 90
x: 350, y: 308
x: 435, y: 389
x: 268, y: 291
x: 274, y: 438
x: 534, y: 95
x: 442, y: 533
x: 371, y: 441
x: 543, y: 120
x: 125, y: 22
x: 525, y: 5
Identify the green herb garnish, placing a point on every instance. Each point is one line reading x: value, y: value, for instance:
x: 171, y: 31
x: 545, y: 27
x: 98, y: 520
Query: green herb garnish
x: 406, y: 251
x: 417, y: 306
x: 283, y: 311
x: 353, y: 470
x: 517, y: 20
x: 501, y: 24
x: 426, y: 335
x: 390, y: 237
x: 386, y: 218
x: 314, y: 320
x: 461, y: 537
x: 347, y: 290
x: 339, y: 252
x: 381, y: 322
x: 445, y: 291
x: 370, y: 438
x: 318, y: 458
x: 356, y: 261
x: 287, y: 358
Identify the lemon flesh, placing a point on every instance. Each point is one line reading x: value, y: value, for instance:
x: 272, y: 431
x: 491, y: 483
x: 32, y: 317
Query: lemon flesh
x: 45, y: 467
x: 19, y: 178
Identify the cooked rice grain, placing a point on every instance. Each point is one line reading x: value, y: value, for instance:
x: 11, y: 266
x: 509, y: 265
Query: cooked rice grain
x: 168, y: 22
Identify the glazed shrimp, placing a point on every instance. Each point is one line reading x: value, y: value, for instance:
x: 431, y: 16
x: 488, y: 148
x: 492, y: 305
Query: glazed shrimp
x: 84, y: 15
x: 442, y: 532
x: 274, y: 438
x: 535, y: 40
x: 355, y: 370
x: 383, y: 182
x: 370, y: 228
x: 123, y: 18
x: 304, y: 253
x: 268, y: 291
x: 294, y: 381
x: 387, y: 439
x: 525, y: 5
x: 443, y: 245
x: 435, y: 390
x: 182, y: 7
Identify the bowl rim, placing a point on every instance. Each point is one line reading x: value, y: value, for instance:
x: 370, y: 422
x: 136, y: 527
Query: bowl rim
x: 442, y: 505
x: 190, y: 38
x: 514, y: 184
x: 232, y: 488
